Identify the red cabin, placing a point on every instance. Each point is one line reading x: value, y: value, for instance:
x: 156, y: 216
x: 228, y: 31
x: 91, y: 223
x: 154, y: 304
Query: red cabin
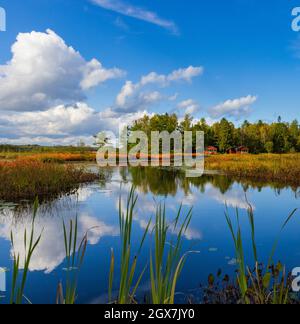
x: 211, y: 150
x: 238, y: 150
x: 242, y: 150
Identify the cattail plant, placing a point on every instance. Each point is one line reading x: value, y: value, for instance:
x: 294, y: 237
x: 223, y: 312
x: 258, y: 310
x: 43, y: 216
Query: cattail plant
x: 167, y: 263
x: 19, y: 276
x: 127, y: 289
x: 74, y: 260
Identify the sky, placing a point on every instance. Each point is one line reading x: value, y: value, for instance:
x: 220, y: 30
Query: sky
x: 72, y: 68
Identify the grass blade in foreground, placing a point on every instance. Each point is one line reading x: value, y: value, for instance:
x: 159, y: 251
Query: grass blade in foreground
x: 165, y: 274
x: 126, y: 292
x: 263, y: 285
x: 19, y: 279
x: 74, y: 260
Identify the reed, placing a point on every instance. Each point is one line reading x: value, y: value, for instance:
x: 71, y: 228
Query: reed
x: 268, y: 284
x: 19, y: 276
x: 27, y: 179
x: 275, y: 168
x: 127, y: 290
x: 48, y: 156
x: 64, y: 157
x: 74, y: 260
x: 167, y: 263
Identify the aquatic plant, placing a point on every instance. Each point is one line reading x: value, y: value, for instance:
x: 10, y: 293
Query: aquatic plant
x: 268, y: 284
x: 27, y: 179
x: 64, y: 157
x: 127, y: 291
x: 223, y: 290
x: 74, y: 259
x: 167, y: 264
x: 20, y: 272
x: 276, y: 168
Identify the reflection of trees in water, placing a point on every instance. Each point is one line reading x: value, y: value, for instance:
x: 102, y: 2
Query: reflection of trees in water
x: 105, y: 175
x: 163, y: 182
x: 158, y: 181
x: 221, y: 182
x: 260, y: 185
x: 167, y: 181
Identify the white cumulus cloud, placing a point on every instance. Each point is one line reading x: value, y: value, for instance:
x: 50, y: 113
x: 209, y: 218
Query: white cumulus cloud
x: 188, y: 106
x: 237, y: 108
x: 43, y: 90
x: 62, y: 125
x: 45, y: 72
x: 130, y: 99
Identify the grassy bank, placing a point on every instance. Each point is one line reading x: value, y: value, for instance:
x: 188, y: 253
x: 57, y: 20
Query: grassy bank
x: 282, y: 169
x: 59, y: 157
x: 27, y: 179
x: 276, y: 168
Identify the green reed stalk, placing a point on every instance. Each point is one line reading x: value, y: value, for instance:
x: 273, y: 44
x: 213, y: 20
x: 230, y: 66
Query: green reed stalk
x: 127, y: 291
x: 165, y: 274
x: 74, y: 259
x: 19, y: 279
x: 263, y: 285
x: 238, y: 244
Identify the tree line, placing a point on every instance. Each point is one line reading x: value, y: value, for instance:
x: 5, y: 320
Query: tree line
x: 10, y: 148
x: 259, y: 137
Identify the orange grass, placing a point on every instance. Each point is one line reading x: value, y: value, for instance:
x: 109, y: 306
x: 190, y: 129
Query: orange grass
x: 63, y: 157
x: 283, y: 168
x: 28, y: 178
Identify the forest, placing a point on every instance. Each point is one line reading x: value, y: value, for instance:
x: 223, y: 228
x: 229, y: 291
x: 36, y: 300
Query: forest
x: 260, y: 137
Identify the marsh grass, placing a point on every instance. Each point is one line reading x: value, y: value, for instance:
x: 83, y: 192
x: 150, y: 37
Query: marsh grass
x: 268, y: 284
x: 64, y: 157
x: 275, y: 168
x: 19, y: 275
x: 128, y: 262
x: 74, y: 259
x: 167, y: 263
x: 27, y: 179
x: 61, y: 156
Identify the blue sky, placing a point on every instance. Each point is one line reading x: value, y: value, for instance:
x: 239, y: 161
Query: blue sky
x: 242, y: 56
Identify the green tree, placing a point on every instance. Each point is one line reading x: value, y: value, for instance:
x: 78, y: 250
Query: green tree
x: 224, y: 132
x: 186, y: 124
x: 260, y: 137
x: 269, y: 146
x: 209, y: 134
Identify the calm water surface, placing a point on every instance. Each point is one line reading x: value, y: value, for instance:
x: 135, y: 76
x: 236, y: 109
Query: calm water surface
x: 97, y: 208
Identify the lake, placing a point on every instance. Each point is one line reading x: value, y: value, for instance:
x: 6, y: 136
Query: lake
x: 96, y: 206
